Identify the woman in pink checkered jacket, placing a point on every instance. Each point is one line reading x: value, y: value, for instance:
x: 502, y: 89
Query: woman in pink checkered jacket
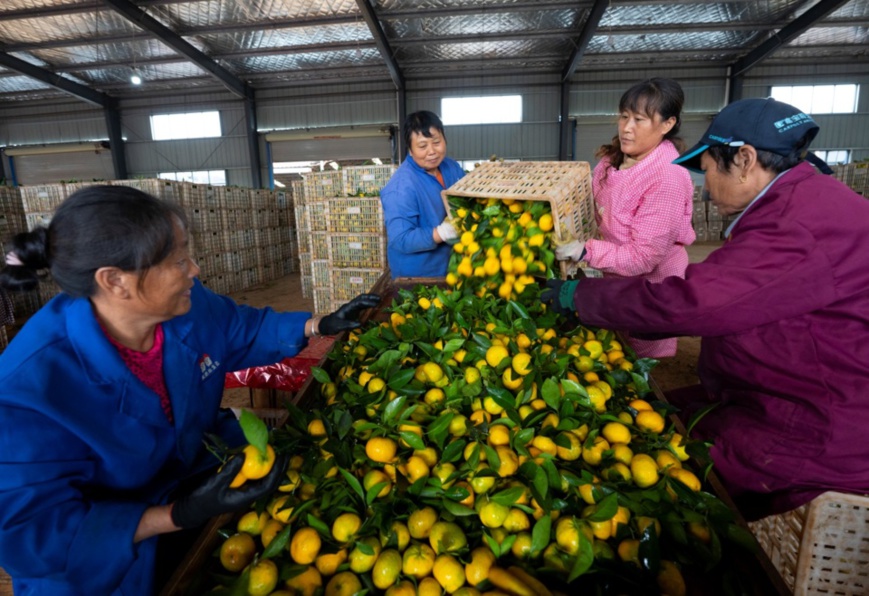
x: 643, y: 201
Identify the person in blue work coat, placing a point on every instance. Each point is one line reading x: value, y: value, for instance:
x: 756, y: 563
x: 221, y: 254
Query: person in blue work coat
x: 418, y: 229
x: 107, y: 392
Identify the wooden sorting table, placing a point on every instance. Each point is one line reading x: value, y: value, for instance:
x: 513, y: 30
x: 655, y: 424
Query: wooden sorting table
x: 764, y: 578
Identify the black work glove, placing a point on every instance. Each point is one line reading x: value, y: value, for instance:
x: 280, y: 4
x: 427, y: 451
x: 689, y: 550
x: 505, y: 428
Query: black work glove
x: 559, y: 295
x: 347, y: 317
x: 214, y: 496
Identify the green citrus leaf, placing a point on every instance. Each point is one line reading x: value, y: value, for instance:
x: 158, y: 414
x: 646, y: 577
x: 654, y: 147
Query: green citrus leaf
x: 255, y: 430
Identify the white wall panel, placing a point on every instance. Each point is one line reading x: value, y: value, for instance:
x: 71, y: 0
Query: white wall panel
x: 38, y: 123
x: 593, y: 100
x: 51, y: 169
x: 536, y: 138
x: 327, y: 149
x: 349, y: 106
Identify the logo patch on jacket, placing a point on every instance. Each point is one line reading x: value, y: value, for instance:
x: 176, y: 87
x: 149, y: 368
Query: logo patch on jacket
x: 207, y: 366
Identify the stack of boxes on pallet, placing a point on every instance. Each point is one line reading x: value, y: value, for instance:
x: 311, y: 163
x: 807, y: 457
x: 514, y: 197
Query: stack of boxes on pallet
x: 709, y: 225
x: 12, y: 221
x: 344, y: 234
x: 303, y: 228
x: 855, y: 176
x: 240, y: 237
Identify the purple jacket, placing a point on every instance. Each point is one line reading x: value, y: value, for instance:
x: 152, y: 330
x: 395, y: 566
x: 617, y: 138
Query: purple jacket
x: 783, y: 310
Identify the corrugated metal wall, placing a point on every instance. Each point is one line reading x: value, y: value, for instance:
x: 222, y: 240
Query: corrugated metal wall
x: 536, y: 138
x: 330, y: 105
x: 146, y: 157
x: 838, y: 131
x: 593, y: 100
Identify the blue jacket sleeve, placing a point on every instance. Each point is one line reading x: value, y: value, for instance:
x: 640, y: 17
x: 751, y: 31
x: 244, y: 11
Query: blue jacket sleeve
x: 401, y: 209
x: 253, y: 336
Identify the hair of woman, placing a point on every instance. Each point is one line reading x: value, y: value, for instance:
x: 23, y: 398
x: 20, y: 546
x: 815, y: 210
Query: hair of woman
x: 421, y: 123
x: 655, y: 96
x: 98, y: 226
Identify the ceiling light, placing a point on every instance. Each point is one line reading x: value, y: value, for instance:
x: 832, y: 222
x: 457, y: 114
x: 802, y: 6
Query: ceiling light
x: 280, y: 184
x: 333, y: 165
x: 135, y: 77
x: 376, y: 160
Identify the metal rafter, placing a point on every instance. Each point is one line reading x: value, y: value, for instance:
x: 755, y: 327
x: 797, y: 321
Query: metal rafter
x: 137, y: 16
x: 54, y: 80
x: 789, y: 32
x: 107, y: 103
x: 532, y: 6
x: 382, y: 43
x: 62, y: 9
x: 296, y: 23
x: 588, y: 31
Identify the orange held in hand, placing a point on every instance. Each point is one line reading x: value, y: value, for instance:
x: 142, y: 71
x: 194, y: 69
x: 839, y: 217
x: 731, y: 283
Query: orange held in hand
x: 256, y: 465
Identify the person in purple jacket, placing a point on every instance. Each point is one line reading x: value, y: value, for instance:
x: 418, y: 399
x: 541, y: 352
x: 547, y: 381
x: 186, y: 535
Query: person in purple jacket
x: 782, y: 308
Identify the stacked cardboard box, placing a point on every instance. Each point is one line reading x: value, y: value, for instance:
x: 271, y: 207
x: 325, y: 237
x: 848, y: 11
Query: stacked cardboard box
x: 12, y: 221
x: 346, y: 239
x: 240, y: 237
x: 709, y: 225
x: 855, y: 176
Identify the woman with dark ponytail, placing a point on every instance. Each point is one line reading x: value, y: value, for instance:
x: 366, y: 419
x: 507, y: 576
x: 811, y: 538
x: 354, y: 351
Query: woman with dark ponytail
x: 643, y: 202
x: 108, y: 391
x: 24, y: 260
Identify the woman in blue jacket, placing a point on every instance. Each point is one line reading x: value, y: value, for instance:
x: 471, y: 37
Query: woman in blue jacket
x: 417, y: 226
x: 107, y: 393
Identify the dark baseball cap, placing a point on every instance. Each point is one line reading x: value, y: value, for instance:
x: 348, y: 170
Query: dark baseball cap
x: 762, y: 123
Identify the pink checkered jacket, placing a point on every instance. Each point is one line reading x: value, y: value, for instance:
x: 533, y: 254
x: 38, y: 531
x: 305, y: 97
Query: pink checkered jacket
x: 644, y: 219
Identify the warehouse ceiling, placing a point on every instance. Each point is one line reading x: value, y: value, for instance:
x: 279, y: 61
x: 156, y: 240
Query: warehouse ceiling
x: 90, y: 48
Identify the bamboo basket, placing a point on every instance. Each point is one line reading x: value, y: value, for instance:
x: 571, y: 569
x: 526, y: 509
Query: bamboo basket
x: 821, y: 548
x: 565, y: 185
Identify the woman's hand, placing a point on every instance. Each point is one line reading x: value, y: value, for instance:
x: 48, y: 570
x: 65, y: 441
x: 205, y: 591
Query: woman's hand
x: 347, y: 317
x: 572, y: 251
x: 215, y: 496
x: 445, y: 232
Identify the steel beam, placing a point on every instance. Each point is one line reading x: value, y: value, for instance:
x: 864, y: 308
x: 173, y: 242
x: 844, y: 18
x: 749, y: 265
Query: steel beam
x: 588, y: 31
x: 382, y: 43
x: 135, y: 15
x: 789, y: 32
x: 54, y: 80
x: 116, y: 140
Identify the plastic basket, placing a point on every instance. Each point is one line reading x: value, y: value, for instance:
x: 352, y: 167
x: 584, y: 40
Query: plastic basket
x: 821, y: 547
x: 565, y: 185
x: 366, y: 251
x: 349, y: 283
x: 366, y: 180
x: 321, y: 273
x: 42, y: 197
x: 319, y: 242
x: 316, y: 217
x: 298, y: 192
x: 35, y: 220
x: 322, y: 301
x: 324, y: 185
x: 307, y: 286
x: 301, y: 217
x: 363, y: 215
